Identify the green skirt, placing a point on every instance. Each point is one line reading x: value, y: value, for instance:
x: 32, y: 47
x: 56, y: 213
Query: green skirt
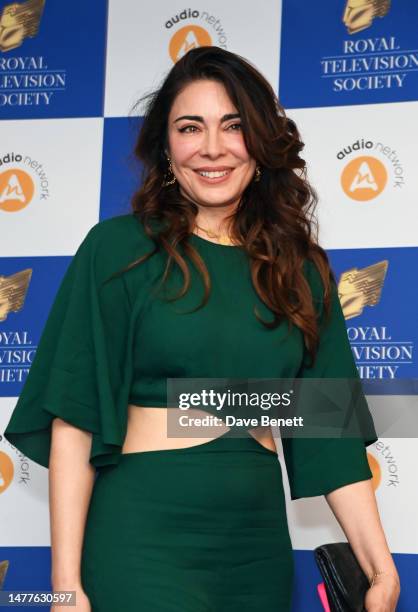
x: 198, y: 529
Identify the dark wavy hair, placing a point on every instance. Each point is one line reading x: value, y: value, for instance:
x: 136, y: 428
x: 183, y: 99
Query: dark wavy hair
x: 274, y: 219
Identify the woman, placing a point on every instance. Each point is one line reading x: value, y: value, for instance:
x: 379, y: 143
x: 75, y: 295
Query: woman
x: 194, y: 524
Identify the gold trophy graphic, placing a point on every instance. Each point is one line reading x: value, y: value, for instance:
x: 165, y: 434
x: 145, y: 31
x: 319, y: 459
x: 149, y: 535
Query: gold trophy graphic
x: 360, y: 288
x: 13, y: 291
x: 359, y: 14
x: 4, y: 566
x: 19, y: 21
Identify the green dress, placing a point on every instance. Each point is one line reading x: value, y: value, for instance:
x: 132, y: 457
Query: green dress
x: 190, y: 529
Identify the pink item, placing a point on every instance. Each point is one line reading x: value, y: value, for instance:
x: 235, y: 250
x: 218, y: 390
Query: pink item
x: 323, y: 596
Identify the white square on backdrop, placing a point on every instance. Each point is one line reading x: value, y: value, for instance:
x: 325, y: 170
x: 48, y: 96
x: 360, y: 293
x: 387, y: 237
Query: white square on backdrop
x: 361, y: 160
x: 144, y: 40
x: 49, y: 184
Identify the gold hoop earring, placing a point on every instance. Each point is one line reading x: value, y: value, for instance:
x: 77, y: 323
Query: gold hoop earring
x: 169, y: 180
x: 257, y: 175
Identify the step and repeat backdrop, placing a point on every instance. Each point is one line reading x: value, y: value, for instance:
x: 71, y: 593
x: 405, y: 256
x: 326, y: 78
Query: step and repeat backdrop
x: 347, y: 72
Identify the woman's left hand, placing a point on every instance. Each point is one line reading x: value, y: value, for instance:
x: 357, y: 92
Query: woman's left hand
x: 383, y: 595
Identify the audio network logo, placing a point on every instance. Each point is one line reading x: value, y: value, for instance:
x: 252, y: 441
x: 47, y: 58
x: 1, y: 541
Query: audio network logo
x: 386, y: 461
x: 16, y: 470
x: 21, y: 179
x: 6, y: 471
x: 375, y: 469
x: 366, y: 176
x: 198, y: 29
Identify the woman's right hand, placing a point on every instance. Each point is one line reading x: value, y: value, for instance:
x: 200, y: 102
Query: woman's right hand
x: 82, y: 601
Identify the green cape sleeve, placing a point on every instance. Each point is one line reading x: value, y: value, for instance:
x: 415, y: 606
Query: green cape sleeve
x: 82, y: 368
x: 315, y: 465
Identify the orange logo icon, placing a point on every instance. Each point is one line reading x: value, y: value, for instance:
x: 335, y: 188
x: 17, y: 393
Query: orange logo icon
x: 189, y: 37
x: 6, y: 471
x: 16, y: 190
x: 364, y: 178
x: 375, y: 469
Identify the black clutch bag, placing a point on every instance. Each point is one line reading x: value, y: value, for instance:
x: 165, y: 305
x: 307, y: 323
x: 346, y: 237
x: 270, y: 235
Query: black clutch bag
x: 345, y: 582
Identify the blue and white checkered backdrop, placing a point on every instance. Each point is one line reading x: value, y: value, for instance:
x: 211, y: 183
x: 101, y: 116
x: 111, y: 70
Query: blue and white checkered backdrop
x: 70, y: 73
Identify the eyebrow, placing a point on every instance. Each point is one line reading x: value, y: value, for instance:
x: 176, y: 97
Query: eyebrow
x: 201, y: 120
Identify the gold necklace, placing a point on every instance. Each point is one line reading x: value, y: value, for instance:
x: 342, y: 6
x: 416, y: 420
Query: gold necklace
x: 223, y: 238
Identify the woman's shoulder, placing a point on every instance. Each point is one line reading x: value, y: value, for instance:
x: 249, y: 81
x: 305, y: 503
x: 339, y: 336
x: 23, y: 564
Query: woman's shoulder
x: 123, y: 230
x: 115, y: 242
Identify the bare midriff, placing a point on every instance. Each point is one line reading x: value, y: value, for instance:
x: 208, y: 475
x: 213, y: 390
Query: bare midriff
x: 147, y: 431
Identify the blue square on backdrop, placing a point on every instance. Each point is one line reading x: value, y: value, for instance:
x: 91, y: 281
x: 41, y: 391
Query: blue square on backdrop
x: 29, y: 570
x: 333, y: 55
x: 22, y: 328
x: 382, y: 312
x: 53, y: 64
x: 121, y: 172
